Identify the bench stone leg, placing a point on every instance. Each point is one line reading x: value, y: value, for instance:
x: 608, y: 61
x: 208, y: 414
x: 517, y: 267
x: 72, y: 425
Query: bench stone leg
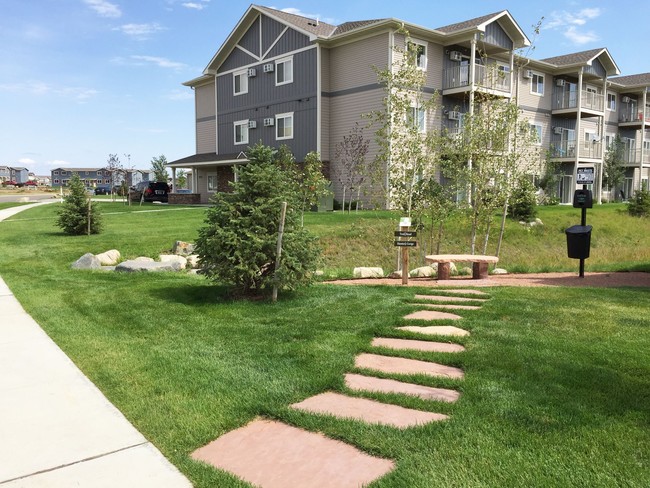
x: 443, y: 271
x: 479, y: 271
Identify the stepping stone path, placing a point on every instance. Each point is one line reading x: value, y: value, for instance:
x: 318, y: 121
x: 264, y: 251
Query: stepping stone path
x: 359, y: 382
x: 444, y: 330
x: 414, y: 345
x: 368, y: 411
x: 271, y: 454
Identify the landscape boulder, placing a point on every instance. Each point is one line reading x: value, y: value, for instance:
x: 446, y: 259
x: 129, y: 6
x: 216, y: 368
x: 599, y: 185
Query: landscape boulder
x: 173, y: 258
x: 193, y: 261
x: 135, y: 266
x: 87, y: 261
x: 363, y: 272
x: 423, y: 272
x: 109, y: 258
x: 499, y: 271
x: 183, y: 248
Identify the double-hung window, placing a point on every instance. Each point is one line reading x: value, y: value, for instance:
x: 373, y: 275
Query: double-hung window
x: 213, y: 182
x: 418, y: 49
x: 284, y: 126
x: 536, y: 131
x: 284, y: 71
x: 537, y: 84
x: 240, y: 82
x: 241, y: 132
x: 611, y: 101
x: 417, y: 118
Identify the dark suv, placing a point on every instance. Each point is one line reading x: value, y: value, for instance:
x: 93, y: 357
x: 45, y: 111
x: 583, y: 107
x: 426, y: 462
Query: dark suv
x: 153, y: 191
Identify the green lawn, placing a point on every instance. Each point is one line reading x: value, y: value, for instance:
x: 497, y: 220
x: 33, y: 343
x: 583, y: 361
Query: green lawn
x: 557, y: 386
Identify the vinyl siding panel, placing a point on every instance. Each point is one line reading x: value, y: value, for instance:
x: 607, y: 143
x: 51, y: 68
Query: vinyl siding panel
x: 206, y: 134
x: 325, y: 104
x: 527, y: 99
x: 204, y: 101
x: 236, y: 59
x: 205, y: 118
x: 271, y: 29
x: 495, y: 35
x: 351, y: 65
x: 251, y: 40
x: 290, y: 41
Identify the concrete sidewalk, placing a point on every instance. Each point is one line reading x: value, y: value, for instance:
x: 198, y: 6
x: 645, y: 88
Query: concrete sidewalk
x: 56, y: 428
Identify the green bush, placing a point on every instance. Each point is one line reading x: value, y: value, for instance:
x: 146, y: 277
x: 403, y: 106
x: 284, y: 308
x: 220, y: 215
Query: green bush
x: 523, y: 203
x: 77, y: 209
x: 639, y: 206
x: 237, y: 246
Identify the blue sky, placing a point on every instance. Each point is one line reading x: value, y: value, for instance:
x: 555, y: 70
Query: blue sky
x: 81, y: 79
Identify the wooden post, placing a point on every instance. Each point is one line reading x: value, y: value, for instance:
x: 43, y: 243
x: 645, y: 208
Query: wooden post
x: 405, y: 261
x: 283, y: 214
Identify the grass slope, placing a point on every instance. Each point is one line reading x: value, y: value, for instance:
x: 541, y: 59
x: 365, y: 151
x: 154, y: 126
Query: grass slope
x: 557, y: 382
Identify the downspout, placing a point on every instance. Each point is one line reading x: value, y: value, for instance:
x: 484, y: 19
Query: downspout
x: 472, y: 88
x: 601, y: 138
x: 391, y: 44
x: 645, y: 96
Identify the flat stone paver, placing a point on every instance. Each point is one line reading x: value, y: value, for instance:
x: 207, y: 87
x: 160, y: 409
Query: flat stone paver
x: 359, y: 382
x: 449, y: 307
x: 370, y: 411
x: 432, y: 315
x: 439, y: 298
x: 445, y: 330
x: 388, y: 364
x: 415, y: 345
x: 465, y: 292
x: 271, y: 454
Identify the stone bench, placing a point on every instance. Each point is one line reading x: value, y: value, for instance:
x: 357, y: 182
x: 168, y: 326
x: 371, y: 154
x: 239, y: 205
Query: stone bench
x: 479, y: 263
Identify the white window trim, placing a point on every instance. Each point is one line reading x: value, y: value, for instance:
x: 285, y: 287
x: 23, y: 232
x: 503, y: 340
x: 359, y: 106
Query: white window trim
x: 424, y: 44
x: 243, y: 123
x: 277, y: 127
x: 536, y: 73
x: 414, y: 111
x: 244, y: 74
x: 540, y: 132
x: 207, y: 182
x: 615, y: 102
x: 281, y: 61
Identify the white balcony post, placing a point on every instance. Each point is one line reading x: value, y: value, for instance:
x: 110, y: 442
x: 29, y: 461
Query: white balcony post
x: 642, y: 158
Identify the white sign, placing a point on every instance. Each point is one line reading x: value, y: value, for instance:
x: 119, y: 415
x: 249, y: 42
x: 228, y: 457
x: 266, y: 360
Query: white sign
x: 405, y: 222
x: 585, y: 175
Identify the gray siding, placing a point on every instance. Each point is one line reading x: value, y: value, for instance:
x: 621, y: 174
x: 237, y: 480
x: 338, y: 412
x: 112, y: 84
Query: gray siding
x: 325, y: 105
x: 271, y: 29
x: 495, y: 35
x: 596, y: 68
x: 291, y: 40
x: 251, y: 40
x: 236, y: 59
x: 351, y: 65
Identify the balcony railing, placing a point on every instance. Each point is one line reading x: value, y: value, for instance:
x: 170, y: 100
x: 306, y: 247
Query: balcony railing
x: 590, y: 101
x: 567, y: 149
x: 629, y: 115
x: 487, y: 77
x: 633, y: 156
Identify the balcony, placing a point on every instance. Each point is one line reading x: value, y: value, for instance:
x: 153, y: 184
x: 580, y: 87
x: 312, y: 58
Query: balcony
x: 633, y: 156
x: 632, y: 117
x: 568, y: 102
x: 486, y: 78
x: 567, y: 149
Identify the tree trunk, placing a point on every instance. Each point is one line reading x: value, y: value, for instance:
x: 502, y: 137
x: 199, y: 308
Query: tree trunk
x: 503, y: 227
x: 487, y: 235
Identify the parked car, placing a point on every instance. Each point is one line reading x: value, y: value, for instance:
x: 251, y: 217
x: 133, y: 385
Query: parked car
x: 90, y: 190
x: 102, y: 190
x: 31, y: 183
x: 153, y: 191
x: 9, y: 183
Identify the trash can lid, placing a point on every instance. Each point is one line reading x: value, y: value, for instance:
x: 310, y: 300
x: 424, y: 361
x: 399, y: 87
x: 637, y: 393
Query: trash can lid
x: 578, y: 229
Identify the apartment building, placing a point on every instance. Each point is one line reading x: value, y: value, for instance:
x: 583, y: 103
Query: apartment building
x: 94, y: 177
x: 280, y: 79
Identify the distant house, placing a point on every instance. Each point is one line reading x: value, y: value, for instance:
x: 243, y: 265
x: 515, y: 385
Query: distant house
x: 19, y: 175
x: 93, y: 177
x: 5, y: 174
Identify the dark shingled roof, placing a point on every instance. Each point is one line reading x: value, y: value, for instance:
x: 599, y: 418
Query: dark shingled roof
x: 321, y: 29
x: 349, y: 26
x: 632, y: 80
x: 208, y: 158
x: 467, y: 24
x: 574, y: 58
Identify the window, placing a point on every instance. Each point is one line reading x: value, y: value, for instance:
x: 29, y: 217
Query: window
x: 63, y: 173
x: 284, y: 126
x: 56, y: 182
x: 241, y: 132
x: 417, y: 118
x: 536, y: 130
x: 240, y: 82
x: 537, y: 84
x: 418, y: 49
x: 213, y: 182
x: 56, y: 172
x: 284, y: 71
x: 611, y: 101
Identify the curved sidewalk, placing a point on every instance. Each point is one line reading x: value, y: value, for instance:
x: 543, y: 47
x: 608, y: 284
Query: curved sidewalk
x: 56, y: 428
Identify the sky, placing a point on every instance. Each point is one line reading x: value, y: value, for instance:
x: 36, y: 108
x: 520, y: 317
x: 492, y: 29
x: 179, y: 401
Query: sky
x: 83, y: 79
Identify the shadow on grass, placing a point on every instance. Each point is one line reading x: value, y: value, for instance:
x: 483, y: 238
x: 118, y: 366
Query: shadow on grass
x: 206, y: 294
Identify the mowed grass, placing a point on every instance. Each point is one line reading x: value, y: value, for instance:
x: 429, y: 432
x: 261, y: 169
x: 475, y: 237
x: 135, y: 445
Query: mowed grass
x: 556, y: 392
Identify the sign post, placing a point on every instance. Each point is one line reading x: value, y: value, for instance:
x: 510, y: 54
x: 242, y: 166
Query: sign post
x: 401, y: 234
x: 583, y: 200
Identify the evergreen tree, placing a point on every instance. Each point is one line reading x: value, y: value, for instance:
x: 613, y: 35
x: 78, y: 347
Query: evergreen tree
x: 77, y: 210
x: 237, y: 246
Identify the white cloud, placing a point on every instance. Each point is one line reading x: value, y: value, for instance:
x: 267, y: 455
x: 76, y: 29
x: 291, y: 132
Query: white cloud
x: 158, y: 61
x: 104, y: 8
x: 26, y: 161
x: 58, y: 163
x: 297, y: 11
x: 571, y: 24
x: 40, y: 88
x: 194, y: 5
x: 140, y: 31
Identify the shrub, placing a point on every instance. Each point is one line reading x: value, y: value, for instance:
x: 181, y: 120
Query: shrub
x: 523, y: 204
x: 237, y: 246
x: 639, y: 206
x: 76, y: 210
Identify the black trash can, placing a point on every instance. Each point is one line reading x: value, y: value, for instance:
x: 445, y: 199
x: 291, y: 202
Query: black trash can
x: 578, y: 241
